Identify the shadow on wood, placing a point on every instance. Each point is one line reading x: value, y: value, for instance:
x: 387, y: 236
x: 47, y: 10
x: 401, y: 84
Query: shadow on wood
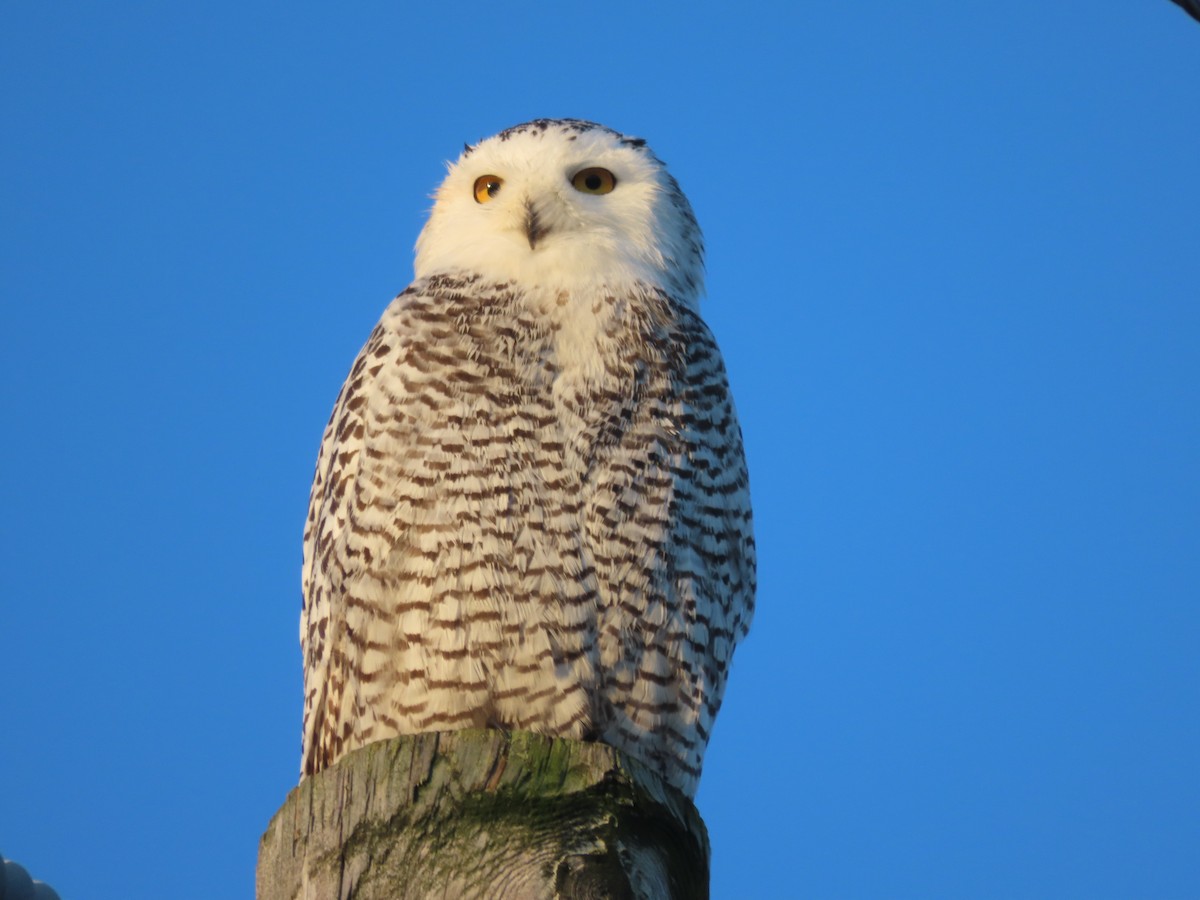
x: 484, y: 814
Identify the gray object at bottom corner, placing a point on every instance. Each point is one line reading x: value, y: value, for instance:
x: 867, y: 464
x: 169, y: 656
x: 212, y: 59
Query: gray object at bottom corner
x: 16, y: 884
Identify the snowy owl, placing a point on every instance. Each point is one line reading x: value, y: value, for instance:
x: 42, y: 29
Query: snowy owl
x: 531, y: 508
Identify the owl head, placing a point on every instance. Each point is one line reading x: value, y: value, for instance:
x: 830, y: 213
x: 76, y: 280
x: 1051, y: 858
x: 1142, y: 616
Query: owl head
x: 564, y: 204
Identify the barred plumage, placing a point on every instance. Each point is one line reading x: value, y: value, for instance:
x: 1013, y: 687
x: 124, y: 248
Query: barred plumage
x: 531, y: 506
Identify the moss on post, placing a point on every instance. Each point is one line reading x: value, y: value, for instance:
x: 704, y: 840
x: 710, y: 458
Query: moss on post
x: 484, y: 814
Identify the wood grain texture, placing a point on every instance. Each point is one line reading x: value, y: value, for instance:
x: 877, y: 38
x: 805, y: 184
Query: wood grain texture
x: 484, y: 814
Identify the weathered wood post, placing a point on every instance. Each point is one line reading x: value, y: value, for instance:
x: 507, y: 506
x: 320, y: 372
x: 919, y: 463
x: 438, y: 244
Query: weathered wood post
x: 484, y: 814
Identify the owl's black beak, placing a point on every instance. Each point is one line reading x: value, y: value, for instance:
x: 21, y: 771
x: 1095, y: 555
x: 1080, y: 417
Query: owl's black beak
x: 534, y: 229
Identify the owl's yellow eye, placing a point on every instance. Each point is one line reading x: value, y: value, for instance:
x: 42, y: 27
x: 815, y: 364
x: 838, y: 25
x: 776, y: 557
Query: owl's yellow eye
x: 487, y: 187
x: 594, y: 180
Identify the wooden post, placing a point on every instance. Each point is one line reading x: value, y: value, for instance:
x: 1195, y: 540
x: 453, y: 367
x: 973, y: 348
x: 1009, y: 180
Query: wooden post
x: 484, y: 814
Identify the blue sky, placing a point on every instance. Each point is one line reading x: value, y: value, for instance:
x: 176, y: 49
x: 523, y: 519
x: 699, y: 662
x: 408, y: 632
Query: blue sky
x: 954, y: 268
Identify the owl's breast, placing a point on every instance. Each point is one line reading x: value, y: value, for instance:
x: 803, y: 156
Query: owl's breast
x: 604, y: 349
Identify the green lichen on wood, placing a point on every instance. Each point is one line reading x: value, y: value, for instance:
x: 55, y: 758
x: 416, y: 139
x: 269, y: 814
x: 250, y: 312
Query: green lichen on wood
x: 484, y: 814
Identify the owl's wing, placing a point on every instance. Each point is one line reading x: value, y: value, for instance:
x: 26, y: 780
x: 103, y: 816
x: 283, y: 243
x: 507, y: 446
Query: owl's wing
x: 671, y: 537
x: 712, y: 551
x: 323, y: 570
x: 713, y: 525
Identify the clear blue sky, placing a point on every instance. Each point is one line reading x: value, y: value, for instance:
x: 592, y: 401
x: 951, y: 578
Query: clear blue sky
x: 954, y: 265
